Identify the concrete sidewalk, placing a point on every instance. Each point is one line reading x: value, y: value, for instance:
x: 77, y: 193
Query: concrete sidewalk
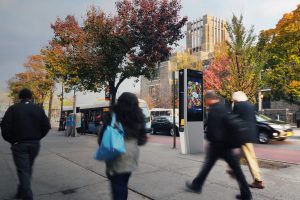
x: 65, y: 170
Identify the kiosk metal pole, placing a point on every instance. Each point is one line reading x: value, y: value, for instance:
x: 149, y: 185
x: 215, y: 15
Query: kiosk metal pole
x: 174, y: 99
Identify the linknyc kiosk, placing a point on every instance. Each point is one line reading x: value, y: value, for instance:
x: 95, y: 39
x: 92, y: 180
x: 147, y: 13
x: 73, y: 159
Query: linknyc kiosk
x: 191, y: 126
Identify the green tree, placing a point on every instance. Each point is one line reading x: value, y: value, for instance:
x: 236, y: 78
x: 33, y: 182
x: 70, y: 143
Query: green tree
x: 244, y: 66
x: 282, y: 48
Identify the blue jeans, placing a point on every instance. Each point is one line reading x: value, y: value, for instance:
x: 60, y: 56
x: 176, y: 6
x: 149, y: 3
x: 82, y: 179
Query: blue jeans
x: 24, y: 154
x: 119, y: 186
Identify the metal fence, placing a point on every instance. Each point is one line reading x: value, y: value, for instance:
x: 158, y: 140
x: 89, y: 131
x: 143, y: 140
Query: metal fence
x: 287, y: 115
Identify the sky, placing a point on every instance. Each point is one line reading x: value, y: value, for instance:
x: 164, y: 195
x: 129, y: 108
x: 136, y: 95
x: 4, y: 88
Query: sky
x: 25, y: 26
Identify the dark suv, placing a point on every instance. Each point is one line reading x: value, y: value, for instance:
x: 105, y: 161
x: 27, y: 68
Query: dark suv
x: 164, y: 124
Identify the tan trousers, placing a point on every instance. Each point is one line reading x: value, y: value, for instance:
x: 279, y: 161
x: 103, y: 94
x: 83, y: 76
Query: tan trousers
x: 250, y: 156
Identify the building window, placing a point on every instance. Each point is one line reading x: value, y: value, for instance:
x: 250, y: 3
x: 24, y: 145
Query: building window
x: 154, y: 90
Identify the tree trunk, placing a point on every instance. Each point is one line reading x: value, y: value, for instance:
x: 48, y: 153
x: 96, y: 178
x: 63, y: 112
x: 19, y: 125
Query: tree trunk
x: 62, y: 119
x: 74, y: 131
x: 112, y: 91
x: 50, y: 104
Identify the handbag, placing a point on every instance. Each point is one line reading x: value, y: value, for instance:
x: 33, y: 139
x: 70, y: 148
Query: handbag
x: 112, y: 143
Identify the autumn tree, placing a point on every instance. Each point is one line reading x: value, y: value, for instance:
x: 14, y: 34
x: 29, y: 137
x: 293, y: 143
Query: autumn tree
x: 282, y: 66
x: 61, y: 56
x: 56, y: 63
x: 110, y: 49
x: 151, y: 101
x: 64, y: 50
x: 218, y: 71
x: 237, y: 64
x: 186, y: 60
x: 36, y: 66
x: 34, y: 78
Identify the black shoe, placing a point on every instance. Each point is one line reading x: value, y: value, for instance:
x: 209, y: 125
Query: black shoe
x: 192, y: 188
x: 243, y: 197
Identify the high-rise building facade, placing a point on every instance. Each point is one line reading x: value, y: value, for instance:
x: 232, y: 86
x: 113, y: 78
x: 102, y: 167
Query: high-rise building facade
x: 204, y: 33
x: 201, y: 37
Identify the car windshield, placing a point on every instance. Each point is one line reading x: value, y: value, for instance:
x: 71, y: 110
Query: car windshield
x: 262, y: 118
x: 170, y: 118
x: 145, y: 111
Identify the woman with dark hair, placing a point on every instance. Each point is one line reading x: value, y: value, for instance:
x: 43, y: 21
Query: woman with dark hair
x: 118, y: 170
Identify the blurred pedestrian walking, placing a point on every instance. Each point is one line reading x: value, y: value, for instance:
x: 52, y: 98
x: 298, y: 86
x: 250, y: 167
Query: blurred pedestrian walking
x: 130, y: 115
x: 218, y: 147
x: 23, y: 126
x: 246, y: 111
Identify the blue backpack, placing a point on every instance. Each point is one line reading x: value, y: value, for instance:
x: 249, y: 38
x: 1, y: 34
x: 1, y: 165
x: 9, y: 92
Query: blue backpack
x: 112, y: 143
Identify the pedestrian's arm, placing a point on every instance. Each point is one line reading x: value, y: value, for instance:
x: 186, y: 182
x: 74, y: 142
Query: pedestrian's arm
x: 45, y: 124
x: 6, y: 125
x: 142, y: 139
x: 106, y: 122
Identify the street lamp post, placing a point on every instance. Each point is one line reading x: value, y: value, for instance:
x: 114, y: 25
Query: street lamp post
x: 260, y: 96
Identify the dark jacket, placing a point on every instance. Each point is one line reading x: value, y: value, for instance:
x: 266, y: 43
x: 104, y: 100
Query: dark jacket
x: 246, y: 111
x: 216, y: 124
x: 24, y: 121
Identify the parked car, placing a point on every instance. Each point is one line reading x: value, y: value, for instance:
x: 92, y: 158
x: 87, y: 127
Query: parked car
x: 164, y: 124
x: 269, y: 129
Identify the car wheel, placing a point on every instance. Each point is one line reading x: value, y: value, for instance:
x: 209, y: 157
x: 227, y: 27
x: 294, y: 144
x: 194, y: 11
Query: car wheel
x: 172, y: 132
x: 263, y: 138
x: 153, y: 131
x: 281, y: 139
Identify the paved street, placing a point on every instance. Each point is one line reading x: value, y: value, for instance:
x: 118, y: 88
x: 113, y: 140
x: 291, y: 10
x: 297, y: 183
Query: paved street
x: 284, y: 151
x: 65, y: 170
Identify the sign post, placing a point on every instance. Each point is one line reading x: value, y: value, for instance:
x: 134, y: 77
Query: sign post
x: 191, y: 125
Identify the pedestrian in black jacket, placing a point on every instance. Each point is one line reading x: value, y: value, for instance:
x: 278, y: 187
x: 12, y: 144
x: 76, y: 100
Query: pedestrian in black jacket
x: 23, y: 126
x: 218, y: 147
x: 246, y: 111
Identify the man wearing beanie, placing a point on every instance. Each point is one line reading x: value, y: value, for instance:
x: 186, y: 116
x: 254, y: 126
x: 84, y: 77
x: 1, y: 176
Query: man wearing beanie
x: 23, y: 126
x: 246, y: 111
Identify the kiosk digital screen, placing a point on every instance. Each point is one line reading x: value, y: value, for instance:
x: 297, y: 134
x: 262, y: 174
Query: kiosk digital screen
x: 194, y: 96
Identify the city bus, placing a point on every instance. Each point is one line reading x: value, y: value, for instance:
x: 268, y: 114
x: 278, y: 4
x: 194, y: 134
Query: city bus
x: 92, y: 115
